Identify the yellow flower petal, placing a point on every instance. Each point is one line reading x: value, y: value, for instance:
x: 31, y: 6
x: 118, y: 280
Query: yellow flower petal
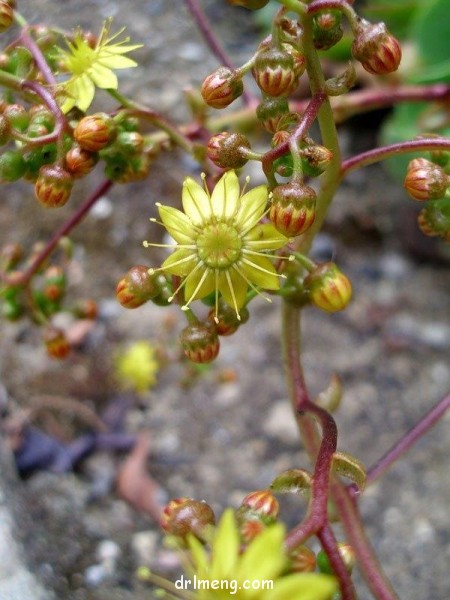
x: 252, y: 207
x: 261, y: 272
x: 225, y: 547
x: 225, y: 196
x: 177, y: 224
x: 263, y: 559
x: 196, y: 203
x: 265, y: 237
x: 82, y: 90
x: 192, y: 282
x: 181, y: 262
x: 303, y: 586
x: 103, y: 77
x: 236, y: 295
x: 112, y: 61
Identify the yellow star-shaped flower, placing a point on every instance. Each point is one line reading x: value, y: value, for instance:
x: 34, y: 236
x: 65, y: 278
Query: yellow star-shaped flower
x: 93, y: 67
x: 221, y: 246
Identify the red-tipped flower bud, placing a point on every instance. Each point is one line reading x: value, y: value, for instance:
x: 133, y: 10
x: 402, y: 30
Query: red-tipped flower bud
x: 95, y: 132
x: 224, y: 149
x: 327, y: 29
x: 329, y: 289
x: 137, y: 287
x: 56, y: 342
x: 80, y: 162
x: 250, y: 4
x: 221, y: 88
x: 17, y: 115
x: 274, y: 72
x: 85, y: 309
x: 200, y: 342
x: 273, y: 113
x: 376, y: 49
x: 293, y: 208
x: 184, y: 516
x: 226, y: 321
x: 302, y: 560
x: 425, y: 180
x: 53, y: 186
x: 262, y: 503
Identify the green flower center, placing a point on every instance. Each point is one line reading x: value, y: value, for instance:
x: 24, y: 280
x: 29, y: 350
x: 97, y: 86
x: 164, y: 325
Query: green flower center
x: 219, y: 246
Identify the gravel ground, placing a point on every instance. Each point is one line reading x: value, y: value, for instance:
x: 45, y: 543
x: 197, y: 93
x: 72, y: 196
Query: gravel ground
x: 220, y: 434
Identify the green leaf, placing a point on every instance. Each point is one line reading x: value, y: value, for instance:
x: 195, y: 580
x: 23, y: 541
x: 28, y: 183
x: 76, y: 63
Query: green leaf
x: 293, y: 481
x: 431, y: 31
x: 346, y: 465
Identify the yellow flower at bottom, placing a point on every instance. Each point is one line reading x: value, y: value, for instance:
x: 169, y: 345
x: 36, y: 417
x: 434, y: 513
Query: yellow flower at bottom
x: 221, y: 246
x: 137, y: 366
x: 254, y: 574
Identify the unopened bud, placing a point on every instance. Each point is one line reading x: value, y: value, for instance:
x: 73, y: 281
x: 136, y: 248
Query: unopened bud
x: 272, y: 113
x: 274, y: 72
x: 226, y: 321
x: 262, y: 503
x: 137, y: 287
x: 425, y: 180
x: 376, y: 49
x: 221, y: 88
x: 302, y: 560
x: 53, y: 186
x: 224, y: 149
x: 184, y: 516
x: 6, y: 15
x: 56, y: 342
x: 315, y: 159
x: 329, y: 289
x: 79, y: 162
x: 200, y: 342
x: 95, y: 132
x: 327, y: 29
x: 434, y: 219
x: 293, y: 208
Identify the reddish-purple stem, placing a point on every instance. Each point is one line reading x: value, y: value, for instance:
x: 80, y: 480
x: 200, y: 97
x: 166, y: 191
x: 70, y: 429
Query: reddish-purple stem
x: 307, y: 119
x: 410, y: 438
x: 39, y: 58
x: 329, y: 544
x: 319, y: 5
x: 377, y: 154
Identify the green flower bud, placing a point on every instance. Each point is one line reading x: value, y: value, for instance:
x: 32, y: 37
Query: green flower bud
x: 293, y: 208
x: 95, y: 132
x: 221, y: 88
x: 315, y: 159
x: 17, y: 116
x: 53, y: 186
x: 347, y: 554
x: 272, y: 112
x: 130, y: 142
x: 327, y: 29
x: 434, y: 219
x: 226, y: 321
x: 55, y: 282
x: 5, y: 130
x: 11, y: 309
x: 12, y: 166
x: 224, y: 150
x: 274, y: 72
x: 200, y: 342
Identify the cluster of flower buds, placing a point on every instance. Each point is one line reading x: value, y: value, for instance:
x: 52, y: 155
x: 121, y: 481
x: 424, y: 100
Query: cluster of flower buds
x: 42, y: 298
x: 54, y: 164
x: 427, y: 181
